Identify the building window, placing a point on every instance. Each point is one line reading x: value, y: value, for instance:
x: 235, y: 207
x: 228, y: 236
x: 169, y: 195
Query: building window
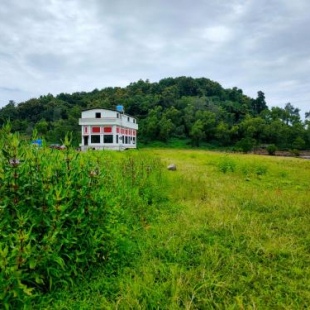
x: 117, y: 115
x: 134, y: 140
x: 107, y: 129
x: 108, y: 139
x: 95, y: 139
x: 98, y: 115
x: 116, y: 138
x: 128, y: 119
x: 134, y: 120
x: 96, y: 129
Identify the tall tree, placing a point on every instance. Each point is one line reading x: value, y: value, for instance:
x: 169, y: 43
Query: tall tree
x: 259, y: 104
x: 291, y: 114
x: 197, y: 133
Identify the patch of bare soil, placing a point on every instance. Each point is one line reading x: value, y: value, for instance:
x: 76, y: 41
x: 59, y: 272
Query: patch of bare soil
x: 302, y: 154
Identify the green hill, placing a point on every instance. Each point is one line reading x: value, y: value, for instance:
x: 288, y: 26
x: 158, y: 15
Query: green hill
x: 198, y: 110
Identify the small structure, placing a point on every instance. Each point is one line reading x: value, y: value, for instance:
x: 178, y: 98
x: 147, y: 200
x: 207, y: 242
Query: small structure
x: 107, y: 129
x: 37, y: 142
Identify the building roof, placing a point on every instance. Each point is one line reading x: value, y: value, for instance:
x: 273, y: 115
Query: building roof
x: 107, y: 110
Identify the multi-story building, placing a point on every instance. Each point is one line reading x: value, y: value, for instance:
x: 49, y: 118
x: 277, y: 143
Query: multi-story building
x: 107, y: 129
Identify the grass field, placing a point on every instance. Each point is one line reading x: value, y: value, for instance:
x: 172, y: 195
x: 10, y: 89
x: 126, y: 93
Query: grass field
x: 235, y: 234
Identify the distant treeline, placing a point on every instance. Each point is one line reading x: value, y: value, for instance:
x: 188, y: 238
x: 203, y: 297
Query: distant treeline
x: 196, y: 109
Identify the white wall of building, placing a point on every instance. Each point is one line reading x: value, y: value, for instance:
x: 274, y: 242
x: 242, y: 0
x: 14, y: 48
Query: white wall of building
x: 106, y: 129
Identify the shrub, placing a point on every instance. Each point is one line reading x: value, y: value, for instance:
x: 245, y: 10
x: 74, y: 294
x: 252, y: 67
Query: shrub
x: 246, y: 144
x: 62, y: 212
x: 271, y: 149
x: 295, y: 152
x: 299, y: 144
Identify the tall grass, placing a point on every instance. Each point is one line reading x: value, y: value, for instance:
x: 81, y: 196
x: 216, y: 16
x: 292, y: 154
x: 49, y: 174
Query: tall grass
x: 235, y: 238
x: 64, y: 213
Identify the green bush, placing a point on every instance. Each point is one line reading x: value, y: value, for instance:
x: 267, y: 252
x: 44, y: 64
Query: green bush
x: 295, y: 152
x: 246, y: 144
x: 271, y: 149
x: 299, y: 144
x: 63, y: 211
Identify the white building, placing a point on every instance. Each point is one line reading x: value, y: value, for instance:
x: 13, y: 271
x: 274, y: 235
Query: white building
x: 107, y: 129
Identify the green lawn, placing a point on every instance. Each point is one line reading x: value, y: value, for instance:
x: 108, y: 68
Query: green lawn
x: 235, y: 234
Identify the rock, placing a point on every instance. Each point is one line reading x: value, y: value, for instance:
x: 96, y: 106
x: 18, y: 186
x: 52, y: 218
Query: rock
x: 172, y: 167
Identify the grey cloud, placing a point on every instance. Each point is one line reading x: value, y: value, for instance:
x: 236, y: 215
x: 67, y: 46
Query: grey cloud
x: 64, y: 46
x: 8, y: 89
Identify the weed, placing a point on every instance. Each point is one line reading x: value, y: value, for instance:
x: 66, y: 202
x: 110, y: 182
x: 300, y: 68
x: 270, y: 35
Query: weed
x: 226, y: 164
x: 219, y: 242
x: 64, y: 212
x: 271, y: 149
x: 261, y: 170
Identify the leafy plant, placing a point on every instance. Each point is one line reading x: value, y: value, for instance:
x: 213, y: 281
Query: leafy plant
x: 222, y: 242
x: 62, y: 212
x: 246, y: 144
x: 295, y: 152
x: 271, y: 149
x: 226, y: 164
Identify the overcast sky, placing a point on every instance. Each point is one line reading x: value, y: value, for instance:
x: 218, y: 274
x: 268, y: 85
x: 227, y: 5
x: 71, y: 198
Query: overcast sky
x: 54, y: 46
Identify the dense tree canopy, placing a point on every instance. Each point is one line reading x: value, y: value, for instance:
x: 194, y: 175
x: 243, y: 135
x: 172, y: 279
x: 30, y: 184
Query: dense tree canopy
x: 199, y: 109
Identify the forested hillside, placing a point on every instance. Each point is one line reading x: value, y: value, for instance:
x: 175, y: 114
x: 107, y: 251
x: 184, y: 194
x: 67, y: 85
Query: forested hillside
x: 196, y: 109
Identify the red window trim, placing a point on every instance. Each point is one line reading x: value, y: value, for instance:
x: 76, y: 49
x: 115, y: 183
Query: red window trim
x: 96, y: 129
x: 107, y: 129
